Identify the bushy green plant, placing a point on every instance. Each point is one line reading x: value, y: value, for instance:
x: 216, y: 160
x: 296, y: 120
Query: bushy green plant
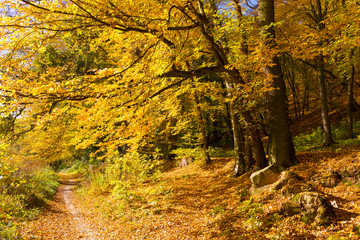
x: 133, y: 166
x: 22, y: 194
x: 220, y: 152
x: 196, y: 153
x: 77, y: 166
x: 308, y: 140
x: 98, y: 180
x: 124, y: 171
x: 315, y: 138
x: 9, y: 230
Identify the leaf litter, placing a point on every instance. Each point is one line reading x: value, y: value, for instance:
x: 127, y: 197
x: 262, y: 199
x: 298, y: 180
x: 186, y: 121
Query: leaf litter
x: 204, y: 202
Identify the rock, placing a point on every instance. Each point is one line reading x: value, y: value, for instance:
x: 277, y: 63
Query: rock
x: 350, y: 174
x: 291, y: 183
x: 185, y: 161
x: 317, y: 208
x: 290, y: 209
x: 264, y: 176
x: 285, y: 178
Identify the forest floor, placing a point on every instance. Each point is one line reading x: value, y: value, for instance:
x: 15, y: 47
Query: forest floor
x: 203, y: 202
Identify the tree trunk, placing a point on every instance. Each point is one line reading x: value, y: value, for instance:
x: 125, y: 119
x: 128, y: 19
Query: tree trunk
x: 290, y: 75
x: 202, y: 130
x: 260, y: 156
x: 349, y: 108
x: 239, y: 166
x: 248, y: 151
x: 281, y: 148
x: 324, y: 107
x: 321, y: 76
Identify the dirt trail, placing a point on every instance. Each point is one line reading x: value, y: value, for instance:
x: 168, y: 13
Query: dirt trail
x: 79, y: 220
x: 65, y: 217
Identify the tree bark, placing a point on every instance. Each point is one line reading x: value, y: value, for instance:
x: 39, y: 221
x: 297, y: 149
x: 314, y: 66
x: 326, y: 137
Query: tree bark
x: 349, y: 107
x: 248, y: 151
x: 240, y: 165
x: 328, y: 140
x: 202, y: 130
x: 281, y: 148
x: 260, y: 156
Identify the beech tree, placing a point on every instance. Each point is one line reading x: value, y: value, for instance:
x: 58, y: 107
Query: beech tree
x: 146, y: 46
x: 150, y: 52
x: 282, y: 153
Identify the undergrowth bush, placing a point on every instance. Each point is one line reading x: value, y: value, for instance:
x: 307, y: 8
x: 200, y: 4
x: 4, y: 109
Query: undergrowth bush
x: 77, y: 166
x: 122, y: 180
x: 122, y: 172
x: 22, y: 195
x: 314, y: 139
x: 221, y: 152
x: 198, y: 154
x: 132, y: 167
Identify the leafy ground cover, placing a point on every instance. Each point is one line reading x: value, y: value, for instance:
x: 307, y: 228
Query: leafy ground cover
x: 204, y: 202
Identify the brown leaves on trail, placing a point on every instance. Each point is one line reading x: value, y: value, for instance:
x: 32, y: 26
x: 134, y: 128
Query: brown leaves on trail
x: 64, y: 218
x: 56, y: 221
x: 204, y: 202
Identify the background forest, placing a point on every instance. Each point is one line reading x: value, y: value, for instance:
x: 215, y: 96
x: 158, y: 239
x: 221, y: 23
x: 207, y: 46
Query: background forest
x: 118, y: 90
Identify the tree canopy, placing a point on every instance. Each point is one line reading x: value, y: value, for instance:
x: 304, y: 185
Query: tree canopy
x: 157, y: 75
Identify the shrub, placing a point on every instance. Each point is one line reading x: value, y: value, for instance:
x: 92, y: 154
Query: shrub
x: 133, y: 166
x: 22, y: 194
x: 198, y: 154
x: 315, y: 138
x: 220, y: 152
x: 308, y: 140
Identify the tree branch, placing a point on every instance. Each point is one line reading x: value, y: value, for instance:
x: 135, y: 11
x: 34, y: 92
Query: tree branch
x: 193, y: 73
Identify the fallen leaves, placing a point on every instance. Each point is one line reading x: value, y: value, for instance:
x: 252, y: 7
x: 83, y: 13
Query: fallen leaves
x: 207, y: 204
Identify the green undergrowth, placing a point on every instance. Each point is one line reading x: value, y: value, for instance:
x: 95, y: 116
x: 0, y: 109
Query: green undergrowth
x: 128, y: 183
x: 198, y: 154
x: 133, y: 182
x: 23, y: 193
x: 314, y: 140
x: 76, y: 167
x: 118, y: 174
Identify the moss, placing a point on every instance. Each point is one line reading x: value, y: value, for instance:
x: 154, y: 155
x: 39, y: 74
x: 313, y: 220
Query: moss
x: 308, y: 217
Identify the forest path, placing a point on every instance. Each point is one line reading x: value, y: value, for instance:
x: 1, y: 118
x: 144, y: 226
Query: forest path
x: 65, y: 217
